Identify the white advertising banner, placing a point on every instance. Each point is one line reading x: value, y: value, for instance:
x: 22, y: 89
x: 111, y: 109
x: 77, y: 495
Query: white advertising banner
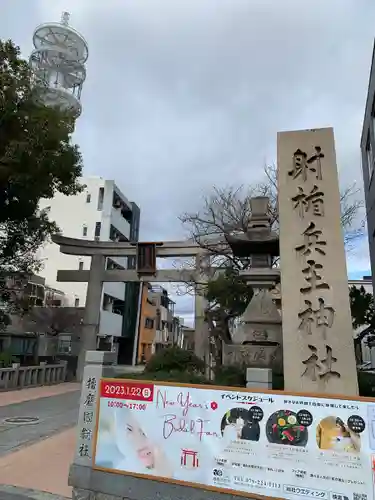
x: 238, y: 441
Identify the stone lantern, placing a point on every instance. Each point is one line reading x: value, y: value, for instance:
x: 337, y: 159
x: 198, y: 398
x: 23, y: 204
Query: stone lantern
x: 257, y: 342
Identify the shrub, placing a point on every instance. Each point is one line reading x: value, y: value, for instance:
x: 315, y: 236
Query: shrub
x: 233, y: 376
x: 175, y: 359
x: 366, y: 382
x: 6, y: 359
x: 277, y: 381
x: 171, y: 376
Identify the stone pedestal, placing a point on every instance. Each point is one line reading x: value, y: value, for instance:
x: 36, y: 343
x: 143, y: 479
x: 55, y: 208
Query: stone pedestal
x: 98, y: 364
x: 258, y: 356
x: 316, y: 321
x: 258, y: 343
x: 259, y: 378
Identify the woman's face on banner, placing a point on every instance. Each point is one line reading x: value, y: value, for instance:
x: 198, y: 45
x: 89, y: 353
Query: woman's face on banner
x: 142, y: 446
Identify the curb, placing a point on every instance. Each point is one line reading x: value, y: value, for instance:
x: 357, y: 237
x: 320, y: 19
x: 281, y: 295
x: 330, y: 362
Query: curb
x: 17, y: 491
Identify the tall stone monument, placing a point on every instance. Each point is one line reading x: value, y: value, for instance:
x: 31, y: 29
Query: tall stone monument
x: 316, y: 321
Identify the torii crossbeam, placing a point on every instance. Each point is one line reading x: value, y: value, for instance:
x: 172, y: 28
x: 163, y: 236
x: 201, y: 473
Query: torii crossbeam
x: 146, y: 270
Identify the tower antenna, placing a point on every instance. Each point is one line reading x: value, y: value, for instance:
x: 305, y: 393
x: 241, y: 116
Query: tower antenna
x: 58, y: 65
x: 65, y: 16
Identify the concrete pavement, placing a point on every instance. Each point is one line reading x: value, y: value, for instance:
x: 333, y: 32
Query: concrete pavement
x: 55, y: 413
x: 42, y: 466
x: 12, y: 397
x: 17, y: 493
x: 35, y: 458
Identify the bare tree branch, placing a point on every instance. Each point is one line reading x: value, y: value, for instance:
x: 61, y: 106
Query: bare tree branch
x: 227, y: 210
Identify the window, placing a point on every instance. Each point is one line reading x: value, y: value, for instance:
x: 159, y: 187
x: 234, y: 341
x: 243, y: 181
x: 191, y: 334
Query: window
x: 76, y: 302
x: 149, y: 323
x: 84, y: 230
x: 369, y: 157
x: 100, y: 198
x: 88, y: 198
x: 80, y: 265
x: 98, y: 227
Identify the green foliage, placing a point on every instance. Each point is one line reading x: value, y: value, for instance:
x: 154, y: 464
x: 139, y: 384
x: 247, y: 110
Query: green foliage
x: 366, y: 382
x: 229, y: 292
x: 232, y: 376
x: 175, y: 359
x: 7, y: 359
x: 37, y: 159
x: 36, y: 154
x: 362, y: 307
x: 277, y: 381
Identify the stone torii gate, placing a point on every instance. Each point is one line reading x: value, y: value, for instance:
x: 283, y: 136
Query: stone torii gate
x: 145, y: 271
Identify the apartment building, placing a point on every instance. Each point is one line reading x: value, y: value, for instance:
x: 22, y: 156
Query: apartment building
x: 19, y: 338
x: 187, y: 338
x: 147, y: 325
x: 158, y: 327
x: 368, y: 162
x: 164, y: 315
x: 101, y: 212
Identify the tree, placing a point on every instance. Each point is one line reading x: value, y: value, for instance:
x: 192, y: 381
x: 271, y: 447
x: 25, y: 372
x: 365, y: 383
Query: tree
x: 37, y: 159
x: 56, y: 320
x: 228, y: 297
x: 226, y: 211
x: 361, y: 307
x: 363, y: 313
x: 47, y: 323
x: 53, y: 321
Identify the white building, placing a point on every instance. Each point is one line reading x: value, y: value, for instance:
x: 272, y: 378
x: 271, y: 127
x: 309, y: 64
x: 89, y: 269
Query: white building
x: 100, y: 212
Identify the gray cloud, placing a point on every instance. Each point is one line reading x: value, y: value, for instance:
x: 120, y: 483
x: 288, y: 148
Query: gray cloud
x: 183, y: 95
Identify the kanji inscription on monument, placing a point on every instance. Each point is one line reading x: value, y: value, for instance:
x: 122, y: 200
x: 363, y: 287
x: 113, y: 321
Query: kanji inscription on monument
x: 317, y: 329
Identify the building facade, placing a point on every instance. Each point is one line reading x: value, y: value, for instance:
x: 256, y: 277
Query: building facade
x: 157, y: 326
x: 368, y: 161
x: 22, y: 338
x: 187, y: 338
x: 100, y: 212
x: 147, y: 325
x: 164, y: 316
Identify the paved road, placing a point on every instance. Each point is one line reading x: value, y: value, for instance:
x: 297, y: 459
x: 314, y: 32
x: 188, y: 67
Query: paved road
x: 55, y: 414
x: 17, y: 493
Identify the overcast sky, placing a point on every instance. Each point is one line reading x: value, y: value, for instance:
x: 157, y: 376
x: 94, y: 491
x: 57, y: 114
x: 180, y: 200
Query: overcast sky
x: 183, y: 94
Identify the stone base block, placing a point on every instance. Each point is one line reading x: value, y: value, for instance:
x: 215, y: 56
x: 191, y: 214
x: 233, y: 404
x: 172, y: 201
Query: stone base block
x: 259, y: 386
x: 89, y: 484
x: 100, y: 358
x: 259, y: 378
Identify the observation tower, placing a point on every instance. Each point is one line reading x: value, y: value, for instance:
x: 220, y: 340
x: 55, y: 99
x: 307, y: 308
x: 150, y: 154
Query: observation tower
x: 58, y: 63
